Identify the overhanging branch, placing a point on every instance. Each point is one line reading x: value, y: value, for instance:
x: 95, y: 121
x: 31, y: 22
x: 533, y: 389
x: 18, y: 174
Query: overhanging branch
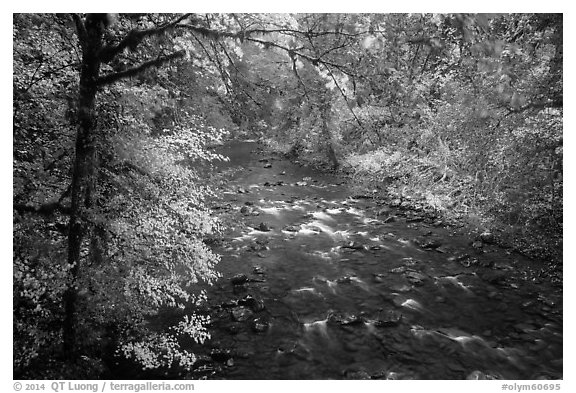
x: 111, y: 78
x: 134, y: 37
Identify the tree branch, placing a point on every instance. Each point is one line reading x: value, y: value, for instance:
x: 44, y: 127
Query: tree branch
x: 314, y: 60
x: 209, y: 33
x: 80, y: 29
x: 345, y: 98
x: 134, y: 37
x: 111, y: 78
x: 45, y: 209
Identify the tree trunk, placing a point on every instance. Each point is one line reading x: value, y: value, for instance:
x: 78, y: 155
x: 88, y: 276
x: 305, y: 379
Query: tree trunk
x: 328, y: 139
x: 84, y: 170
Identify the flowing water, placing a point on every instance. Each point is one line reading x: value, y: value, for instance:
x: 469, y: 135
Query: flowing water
x: 317, y: 285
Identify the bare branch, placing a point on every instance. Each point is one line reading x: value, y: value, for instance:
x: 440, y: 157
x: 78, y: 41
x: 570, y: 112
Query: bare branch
x: 344, y: 96
x: 210, y: 33
x: 314, y: 60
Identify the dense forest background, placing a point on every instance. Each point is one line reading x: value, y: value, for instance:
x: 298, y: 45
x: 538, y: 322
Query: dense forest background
x: 114, y: 117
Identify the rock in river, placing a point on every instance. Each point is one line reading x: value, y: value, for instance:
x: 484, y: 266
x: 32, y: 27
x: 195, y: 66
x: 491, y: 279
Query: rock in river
x: 239, y: 279
x: 415, y: 277
x: 221, y: 355
x: 389, y: 319
x: 430, y: 244
x: 251, y: 302
x: 477, y: 244
x: 259, y: 325
x: 487, y: 237
x: 346, y: 320
x: 354, y: 246
x: 263, y: 227
x: 241, y: 313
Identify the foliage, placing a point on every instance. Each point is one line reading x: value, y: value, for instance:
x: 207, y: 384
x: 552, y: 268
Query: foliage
x: 144, y: 250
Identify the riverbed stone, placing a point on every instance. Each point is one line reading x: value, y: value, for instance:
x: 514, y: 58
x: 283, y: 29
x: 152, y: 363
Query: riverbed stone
x: 252, y: 303
x: 430, y: 244
x: 477, y: 244
x: 398, y: 270
x: 241, y: 313
x: 258, y: 270
x: 379, y: 277
x: 389, y: 319
x: 354, y: 245
x: 260, y: 325
x: 385, y: 211
x: 221, y: 355
x: 415, y: 277
x: 487, y: 237
x: 239, y: 279
x: 263, y: 227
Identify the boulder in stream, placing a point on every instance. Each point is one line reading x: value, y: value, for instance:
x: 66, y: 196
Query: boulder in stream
x: 221, y: 355
x: 239, y: 279
x: 389, y: 319
x: 477, y: 244
x: 354, y: 246
x: 241, y: 313
x: 487, y: 237
x: 379, y: 277
x: 263, y: 227
x: 385, y: 211
x: 415, y: 277
x: 398, y: 270
x: 252, y: 303
x: 258, y: 270
x: 429, y: 244
x: 260, y: 325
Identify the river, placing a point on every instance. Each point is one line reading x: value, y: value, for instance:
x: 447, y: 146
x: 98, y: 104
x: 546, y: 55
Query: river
x: 317, y: 284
